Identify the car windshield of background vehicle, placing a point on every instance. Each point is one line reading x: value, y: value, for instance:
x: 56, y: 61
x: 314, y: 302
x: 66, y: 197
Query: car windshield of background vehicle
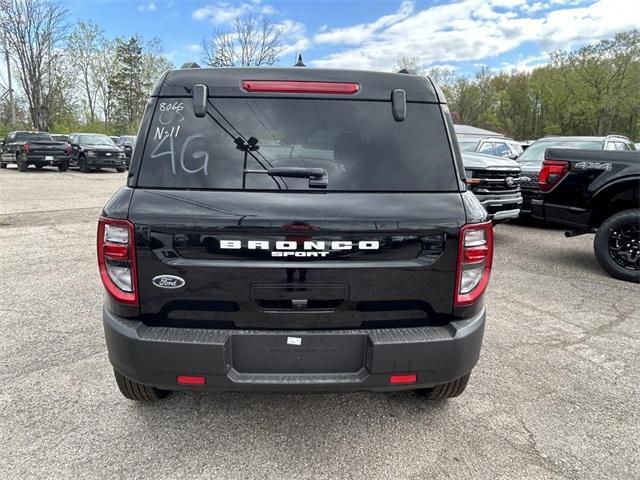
x: 468, y: 145
x: 96, y: 140
x: 535, y: 153
x: 358, y: 144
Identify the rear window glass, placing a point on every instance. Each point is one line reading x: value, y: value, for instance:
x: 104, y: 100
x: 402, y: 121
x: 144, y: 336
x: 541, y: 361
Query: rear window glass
x: 33, y: 137
x: 358, y: 144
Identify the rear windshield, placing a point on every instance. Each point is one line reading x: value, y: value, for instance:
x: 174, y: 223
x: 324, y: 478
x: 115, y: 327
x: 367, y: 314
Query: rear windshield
x: 33, y: 137
x: 358, y: 144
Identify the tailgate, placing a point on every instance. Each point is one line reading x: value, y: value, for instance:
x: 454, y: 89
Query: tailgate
x: 300, y: 261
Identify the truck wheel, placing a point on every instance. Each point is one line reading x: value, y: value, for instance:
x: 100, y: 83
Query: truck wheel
x: 22, y: 164
x: 39, y: 167
x: 82, y: 164
x: 64, y: 166
x: 3, y: 165
x: 617, y: 245
x: 120, y: 169
x: 445, y: 390
x: 136, y: 391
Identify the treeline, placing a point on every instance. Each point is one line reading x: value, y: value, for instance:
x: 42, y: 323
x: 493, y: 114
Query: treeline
x: 73, y: 77
x: 594, y: 90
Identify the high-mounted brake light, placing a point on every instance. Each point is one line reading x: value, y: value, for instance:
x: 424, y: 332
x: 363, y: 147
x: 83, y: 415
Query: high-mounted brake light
x: 475, y: 257
x: 117, y: 259
x: 553, y: 171
x: 292, y: 86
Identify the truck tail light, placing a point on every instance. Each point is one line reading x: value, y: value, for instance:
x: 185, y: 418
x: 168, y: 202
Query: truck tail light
x: 553, y: 171
x: 117, y: 259
x: 26, y: 148
x: 475, y: 256
x: 289, y: 86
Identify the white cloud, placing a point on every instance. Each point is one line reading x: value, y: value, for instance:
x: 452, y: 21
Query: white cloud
x: 225, y: 12
x: 357, y: 34
x: 525, y: 64
x: 194, y: 48
x: 471, y: 30
x: 148, y: 7
x: 294, y: 36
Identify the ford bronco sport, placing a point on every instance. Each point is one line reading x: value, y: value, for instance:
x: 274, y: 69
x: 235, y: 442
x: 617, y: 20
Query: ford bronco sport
x: 294, y: 229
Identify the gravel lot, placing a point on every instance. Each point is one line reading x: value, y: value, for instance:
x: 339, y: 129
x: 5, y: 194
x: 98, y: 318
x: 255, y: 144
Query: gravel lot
x: 555, y: 395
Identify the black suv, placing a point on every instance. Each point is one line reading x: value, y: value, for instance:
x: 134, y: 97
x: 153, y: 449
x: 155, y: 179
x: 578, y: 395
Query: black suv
x: 92, y: 151
x: 294, y: 229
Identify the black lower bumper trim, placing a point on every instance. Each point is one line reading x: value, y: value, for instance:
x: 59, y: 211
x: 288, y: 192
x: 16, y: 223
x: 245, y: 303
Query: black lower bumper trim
x: 332, y: 360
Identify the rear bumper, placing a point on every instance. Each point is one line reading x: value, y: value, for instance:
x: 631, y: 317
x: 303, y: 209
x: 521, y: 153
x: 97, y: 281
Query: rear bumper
x: 53, y: 159
x: 333, y: 360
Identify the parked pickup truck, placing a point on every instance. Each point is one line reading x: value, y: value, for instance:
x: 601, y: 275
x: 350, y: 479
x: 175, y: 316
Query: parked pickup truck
x: 597, y: 191
x: 294, y: 229
x: 496, y: 183
x: 33, y: 148
x: 92, y: 151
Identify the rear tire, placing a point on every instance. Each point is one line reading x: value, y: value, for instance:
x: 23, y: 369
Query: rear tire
x: 120, y: 169
x: 39, y: 167
x: 22, y: 165
x: 445, y: 390
x: 64, y: 166
x: 136, y: 391
x: 617, y: 245
x: 3, y: 165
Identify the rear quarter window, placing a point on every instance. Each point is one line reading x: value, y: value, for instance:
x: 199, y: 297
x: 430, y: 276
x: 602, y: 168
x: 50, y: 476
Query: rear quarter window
x: 358, y: 143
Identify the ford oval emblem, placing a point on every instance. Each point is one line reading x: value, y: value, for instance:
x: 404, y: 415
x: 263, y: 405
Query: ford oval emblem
x: 168, y: 281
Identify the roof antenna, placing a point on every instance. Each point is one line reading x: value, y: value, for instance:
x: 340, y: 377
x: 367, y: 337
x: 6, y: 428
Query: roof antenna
x: 299, y: 63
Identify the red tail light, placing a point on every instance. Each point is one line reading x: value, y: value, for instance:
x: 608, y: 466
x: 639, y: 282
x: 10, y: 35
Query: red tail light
x: 26, y: 148
x: 553, y: 171
x: 269, y: 86
x: 117, y: 259
x: 475, y: 257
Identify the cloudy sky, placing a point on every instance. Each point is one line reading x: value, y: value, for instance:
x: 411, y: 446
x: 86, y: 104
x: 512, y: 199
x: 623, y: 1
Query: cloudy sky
x: 373, y: 34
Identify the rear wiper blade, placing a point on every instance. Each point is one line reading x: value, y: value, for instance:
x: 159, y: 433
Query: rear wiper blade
x: 318, y: 177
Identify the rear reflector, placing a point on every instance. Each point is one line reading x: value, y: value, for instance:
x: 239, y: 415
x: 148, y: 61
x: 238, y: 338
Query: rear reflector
x: 191, y: 380
x: 401, y: 379
x: 287, y: 86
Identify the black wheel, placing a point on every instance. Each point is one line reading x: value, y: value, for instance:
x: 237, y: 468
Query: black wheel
x: 22, y: 164
x: 120, y: 169
x: 136, y: 391
x: 64, y: 166
x: 3, y: 165
x: 39, y: 167
x: 82, y: 165
x: 617, y: 245
x: 445, y: 390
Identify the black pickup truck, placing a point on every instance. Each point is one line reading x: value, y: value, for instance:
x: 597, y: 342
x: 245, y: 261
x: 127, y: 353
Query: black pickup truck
x: 33, y: 148
x: 294, y: 229
x: 92, y: 151
x: 597, y: 192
